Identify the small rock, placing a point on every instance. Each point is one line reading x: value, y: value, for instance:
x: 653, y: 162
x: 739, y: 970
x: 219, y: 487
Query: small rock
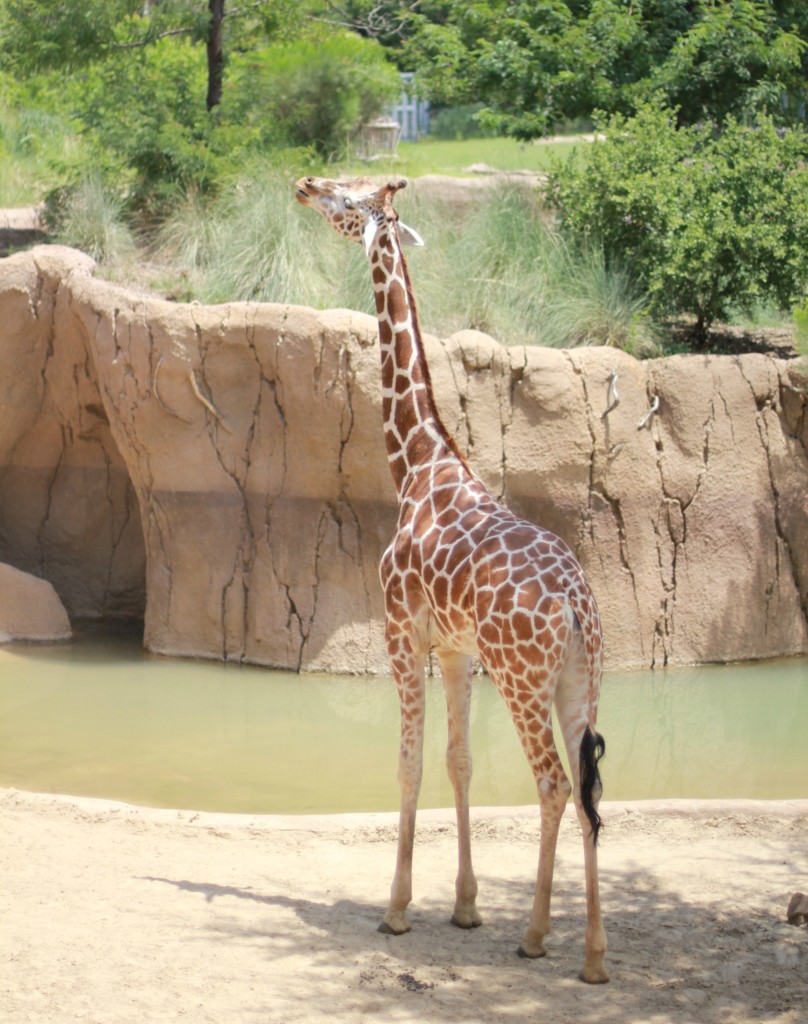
x: 30, y: 608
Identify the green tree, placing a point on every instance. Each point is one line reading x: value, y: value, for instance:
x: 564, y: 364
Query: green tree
x: 59, y: 35
x: 706, y: 222
x: 736, y: 58
x: 159, y: 114
x: 62, y: 36
x: 146, y: 121
x: 534, y: 63
x: 315, y: 92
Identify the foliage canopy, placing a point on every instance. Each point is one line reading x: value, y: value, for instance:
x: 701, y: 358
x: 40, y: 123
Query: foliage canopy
x: 536, y: 63
x: 132, y: 78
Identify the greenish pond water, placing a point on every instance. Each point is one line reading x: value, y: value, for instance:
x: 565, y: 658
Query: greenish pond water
x: 100, y: 717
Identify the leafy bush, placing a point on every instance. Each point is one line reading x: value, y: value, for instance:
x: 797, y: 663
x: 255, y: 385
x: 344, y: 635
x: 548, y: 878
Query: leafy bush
x: 706, y: 221
x: 312, y: 92
x: 146, y: 118
x: 144, y: 112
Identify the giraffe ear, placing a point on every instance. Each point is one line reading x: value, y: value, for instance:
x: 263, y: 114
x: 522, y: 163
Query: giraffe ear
x: 409, y: 236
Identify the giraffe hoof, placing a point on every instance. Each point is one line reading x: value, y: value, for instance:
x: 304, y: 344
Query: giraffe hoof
x: 387, y: 929
x: 596, y: 977
x: 523, y: 953
x: 466, y: 921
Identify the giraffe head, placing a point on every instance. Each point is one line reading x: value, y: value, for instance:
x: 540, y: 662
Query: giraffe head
x: 356, y: 208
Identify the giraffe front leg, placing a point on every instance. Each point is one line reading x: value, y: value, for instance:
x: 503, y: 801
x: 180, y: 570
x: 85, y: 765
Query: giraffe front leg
x: 456, y: 671
x: 395, y: 920
x: 410, y: 682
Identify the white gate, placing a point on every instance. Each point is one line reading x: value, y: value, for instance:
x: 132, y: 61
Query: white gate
x: 410, y: 112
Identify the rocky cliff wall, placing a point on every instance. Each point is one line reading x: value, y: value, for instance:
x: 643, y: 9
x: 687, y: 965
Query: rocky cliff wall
x: 221, y: 470
x: 68, y: 512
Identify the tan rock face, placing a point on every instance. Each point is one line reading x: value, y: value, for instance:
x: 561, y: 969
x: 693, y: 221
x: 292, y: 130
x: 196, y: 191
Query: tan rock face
x: 223, y: 469
x: 30, y: 608
x: 68, y: 511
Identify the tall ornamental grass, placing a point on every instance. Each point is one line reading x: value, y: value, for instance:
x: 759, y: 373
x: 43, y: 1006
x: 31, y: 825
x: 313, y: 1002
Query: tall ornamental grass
x: 89, y: 216
x: 501, y: 268
x: 505, y: 270
x: 252, y: 244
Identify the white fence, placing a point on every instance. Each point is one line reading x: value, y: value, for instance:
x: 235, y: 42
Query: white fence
x: 411, y: 113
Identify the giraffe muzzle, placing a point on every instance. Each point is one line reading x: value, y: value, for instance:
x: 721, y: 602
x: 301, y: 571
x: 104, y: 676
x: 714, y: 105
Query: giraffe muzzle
x: 303, y: 190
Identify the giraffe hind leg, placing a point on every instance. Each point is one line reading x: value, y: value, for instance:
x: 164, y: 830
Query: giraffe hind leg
x: 554, y: 790
x: 585, y: 747
x: 528, y: 692
x: 586, y: 801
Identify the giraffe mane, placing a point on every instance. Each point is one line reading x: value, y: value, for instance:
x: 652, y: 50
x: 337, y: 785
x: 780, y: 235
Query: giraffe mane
x: 419, y: 343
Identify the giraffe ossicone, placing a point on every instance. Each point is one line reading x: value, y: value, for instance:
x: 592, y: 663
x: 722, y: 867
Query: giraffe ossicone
x: 464, y: 577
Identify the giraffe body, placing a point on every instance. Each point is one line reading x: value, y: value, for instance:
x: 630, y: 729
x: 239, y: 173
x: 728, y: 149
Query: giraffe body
x: 463, y: 577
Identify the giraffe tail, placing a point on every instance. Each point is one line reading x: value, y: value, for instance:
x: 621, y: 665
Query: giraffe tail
x: 593, y: 747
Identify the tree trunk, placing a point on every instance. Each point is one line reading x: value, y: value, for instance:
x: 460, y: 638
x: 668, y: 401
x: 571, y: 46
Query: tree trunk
x: 215, y: 53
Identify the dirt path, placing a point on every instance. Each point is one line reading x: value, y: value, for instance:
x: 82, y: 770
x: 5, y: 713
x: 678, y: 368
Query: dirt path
x: 118, y: 914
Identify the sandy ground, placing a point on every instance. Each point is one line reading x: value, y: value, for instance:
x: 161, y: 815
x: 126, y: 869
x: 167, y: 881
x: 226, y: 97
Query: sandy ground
x: 112, y: 913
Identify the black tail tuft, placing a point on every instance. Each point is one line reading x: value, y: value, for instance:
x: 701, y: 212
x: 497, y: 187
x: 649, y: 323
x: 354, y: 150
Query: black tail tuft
x: 593, y: 747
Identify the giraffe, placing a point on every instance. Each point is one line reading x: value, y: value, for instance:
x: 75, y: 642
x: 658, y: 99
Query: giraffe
x: 464, y: 576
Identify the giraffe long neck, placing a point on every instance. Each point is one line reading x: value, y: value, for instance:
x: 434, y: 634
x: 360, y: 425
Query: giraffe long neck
x: 414, y: 433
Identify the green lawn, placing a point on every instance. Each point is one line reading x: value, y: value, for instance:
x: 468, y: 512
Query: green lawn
x: 435, y: 156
